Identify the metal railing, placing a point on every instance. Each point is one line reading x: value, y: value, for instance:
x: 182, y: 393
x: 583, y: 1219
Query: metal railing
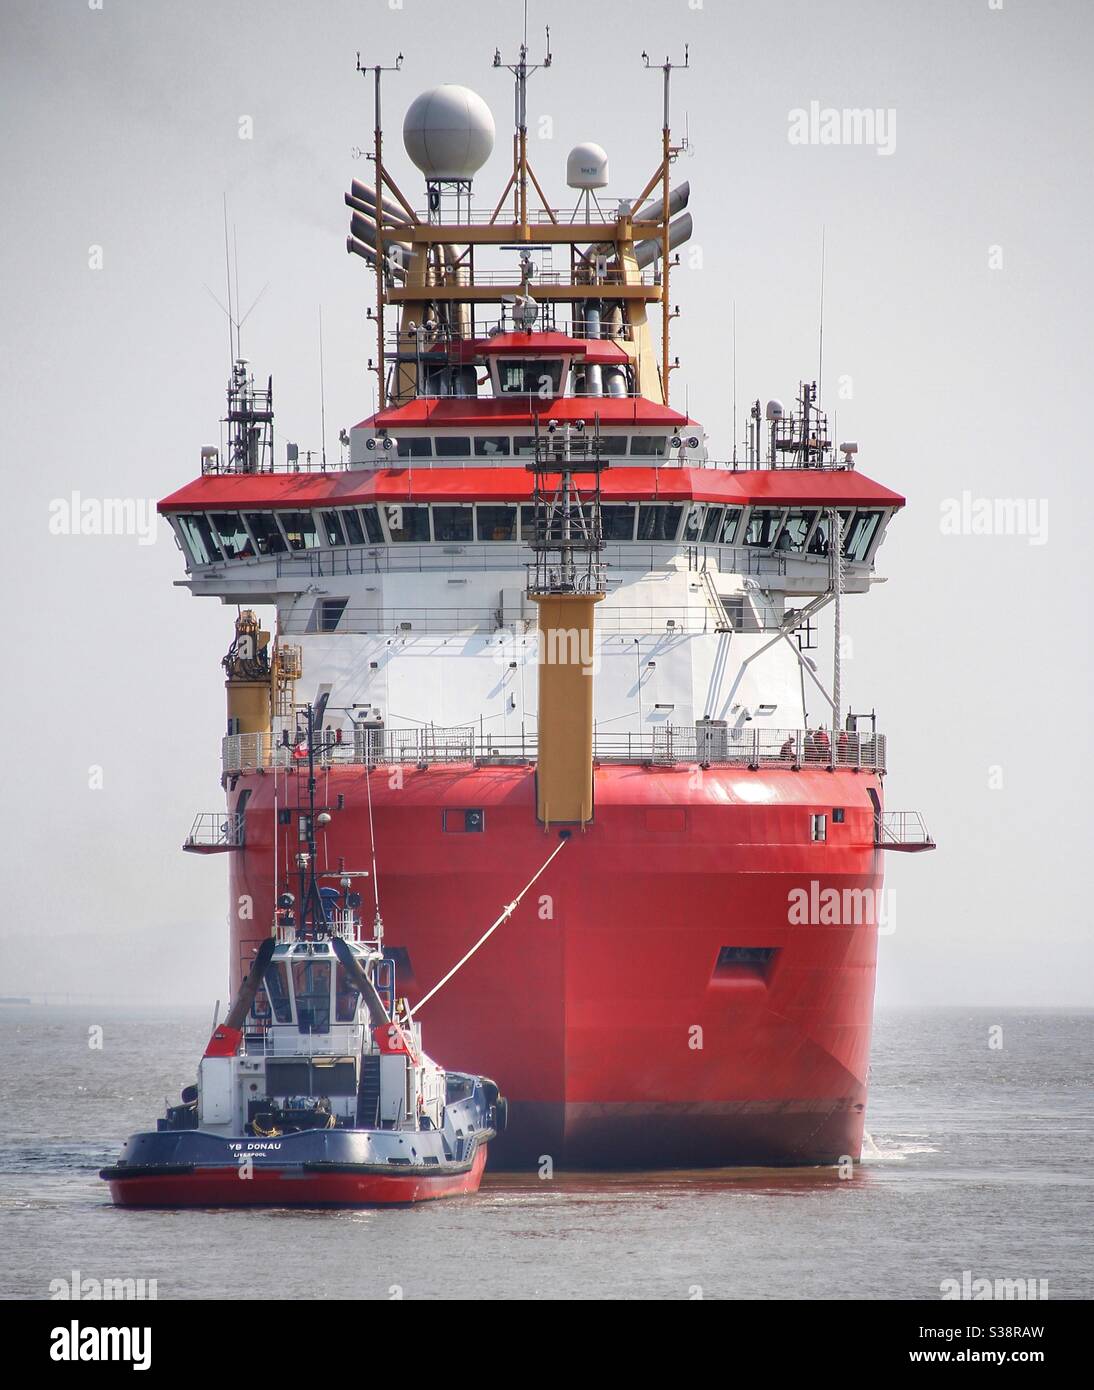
x: 215, y: 830
x: 612, y: 619
x: 401, y: 557
x: 904, y: 830
x: 670, y: 746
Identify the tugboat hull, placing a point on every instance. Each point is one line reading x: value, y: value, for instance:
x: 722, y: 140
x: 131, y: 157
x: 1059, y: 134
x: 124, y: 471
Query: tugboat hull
x: 319, y: 1169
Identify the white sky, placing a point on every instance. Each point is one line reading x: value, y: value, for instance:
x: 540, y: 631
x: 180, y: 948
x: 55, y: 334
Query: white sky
x: 122, y: 131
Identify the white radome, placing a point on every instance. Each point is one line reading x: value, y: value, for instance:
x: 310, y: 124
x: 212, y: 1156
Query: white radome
x: 449, y: 132
x: 587, y: 166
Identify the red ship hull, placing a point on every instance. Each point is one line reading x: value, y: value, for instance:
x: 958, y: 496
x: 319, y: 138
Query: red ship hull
x: 653, y: 1001
x: 290, y: 1187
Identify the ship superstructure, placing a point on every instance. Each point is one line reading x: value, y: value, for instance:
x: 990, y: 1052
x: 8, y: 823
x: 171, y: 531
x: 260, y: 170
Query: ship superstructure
x: 531, y: 601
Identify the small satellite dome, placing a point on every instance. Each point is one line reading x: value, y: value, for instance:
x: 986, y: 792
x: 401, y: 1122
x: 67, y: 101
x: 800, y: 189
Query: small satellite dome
x: 774, y: 410
x: 587, y: 167
x: 449, y: 132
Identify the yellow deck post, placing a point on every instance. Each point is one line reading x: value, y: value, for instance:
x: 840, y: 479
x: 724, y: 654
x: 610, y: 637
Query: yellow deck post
x: 564, y: 775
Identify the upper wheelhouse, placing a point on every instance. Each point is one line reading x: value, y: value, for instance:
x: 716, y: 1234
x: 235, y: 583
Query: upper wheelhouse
x: 498, y: 334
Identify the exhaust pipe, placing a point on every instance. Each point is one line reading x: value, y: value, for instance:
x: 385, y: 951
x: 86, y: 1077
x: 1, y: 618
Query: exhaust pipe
x: 365, y: 194
x: 357, y: 248
x: 365, y: 230
x: 646, y: 252
x: 651, y: 211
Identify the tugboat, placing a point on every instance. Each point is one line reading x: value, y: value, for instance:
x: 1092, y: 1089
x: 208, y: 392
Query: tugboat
x: 315, y: 1090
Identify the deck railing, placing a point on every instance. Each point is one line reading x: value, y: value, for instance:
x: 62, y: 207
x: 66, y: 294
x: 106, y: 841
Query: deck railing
x: 670, y: 746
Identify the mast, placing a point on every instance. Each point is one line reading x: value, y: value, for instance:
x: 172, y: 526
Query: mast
x: 668, y: 154
x: 378, y: 162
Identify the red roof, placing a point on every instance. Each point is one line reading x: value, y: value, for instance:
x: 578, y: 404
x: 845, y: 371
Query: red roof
x: 483, y: 413
x: 534, y: 345
x: 788, y: 487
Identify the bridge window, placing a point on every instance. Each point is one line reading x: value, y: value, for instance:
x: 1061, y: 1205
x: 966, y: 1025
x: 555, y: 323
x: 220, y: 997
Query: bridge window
x: 332, y: 529
x: 491, y: 445
x: 374, y: 532
x: 453, y: 523
x: 537, y: 377
x: 527, y: 524
x: 496, y: 523
x: 351, y: 522
x: 407, y: 523
x: 818, y: 544
x: 235, y: 543
x: 793, y: 535
x: 658, y: 523
x: 693, y: 522
x: 415, y: 448
x: 198, y: 535
x: 266, y: 532
x: 859, y: 536
x: 720, y: 526
x: 611, y: 446
x: 524, y: 445
x: 763, y: 526
x: 649, y: 445
x: 300, y: 530
x: 453, y: 446
x: 618, y: 522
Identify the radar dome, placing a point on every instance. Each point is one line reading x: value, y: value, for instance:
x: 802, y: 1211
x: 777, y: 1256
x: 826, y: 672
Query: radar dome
x: 449, y: 132
x: 587, y: 167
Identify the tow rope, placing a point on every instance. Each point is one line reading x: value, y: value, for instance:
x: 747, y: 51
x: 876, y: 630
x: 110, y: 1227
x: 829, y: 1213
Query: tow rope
x: 507, y: 912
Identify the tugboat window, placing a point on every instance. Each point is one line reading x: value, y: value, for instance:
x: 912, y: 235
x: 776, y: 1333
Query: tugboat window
x: 415, y: 448
x: 346, y: 997
x: 311, y: 985
x: 277, y: 991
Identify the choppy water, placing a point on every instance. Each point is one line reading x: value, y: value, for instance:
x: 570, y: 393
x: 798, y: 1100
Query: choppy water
x: 978, y: 1160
